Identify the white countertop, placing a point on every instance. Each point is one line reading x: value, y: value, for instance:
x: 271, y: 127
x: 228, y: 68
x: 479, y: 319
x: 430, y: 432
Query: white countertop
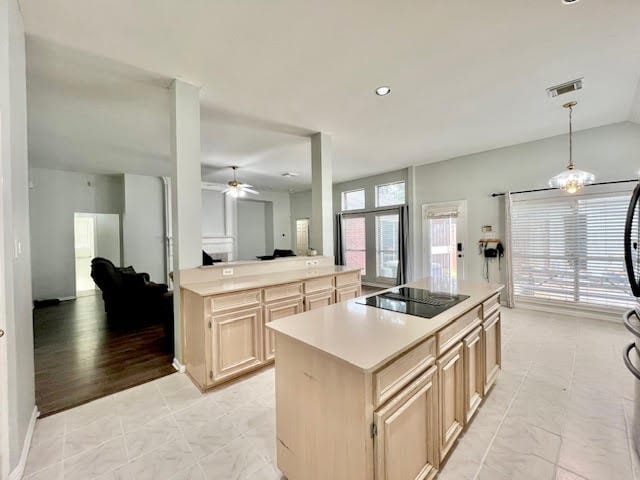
x: 247, y: 282
x: 368, y: 337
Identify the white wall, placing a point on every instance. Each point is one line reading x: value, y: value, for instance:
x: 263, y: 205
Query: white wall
x: 143, y: 227
x: 252, y: 229
x: 611, y: 152
x: 55, y: 195
x: 213, y: 213
x: 15, y: 268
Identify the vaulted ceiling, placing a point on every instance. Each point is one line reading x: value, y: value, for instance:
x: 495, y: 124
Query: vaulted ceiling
x: 466, y: 76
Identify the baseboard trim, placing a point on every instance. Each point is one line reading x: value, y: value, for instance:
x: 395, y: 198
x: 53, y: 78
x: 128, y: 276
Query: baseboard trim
x: 18, y: 472
x: 178, y: 366
x: 66, y: 299
x: 571, y: 311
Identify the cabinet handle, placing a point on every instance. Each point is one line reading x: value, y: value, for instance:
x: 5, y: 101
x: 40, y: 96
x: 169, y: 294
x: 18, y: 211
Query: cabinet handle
x: 627, y: 360
x: 627, y: 322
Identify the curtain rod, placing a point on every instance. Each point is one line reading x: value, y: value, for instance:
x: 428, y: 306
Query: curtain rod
x: 370, y: 210
x: 552, y: 188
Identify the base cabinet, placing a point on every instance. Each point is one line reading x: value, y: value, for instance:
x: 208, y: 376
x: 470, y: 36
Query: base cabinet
x: 237, y: 339
x: 347, y: 293
x: 406, y: 446
x: 492, y: 345
x: 273, y: 312
x: 473, y: 373
x: 318, y: 300
x: 451, y: 390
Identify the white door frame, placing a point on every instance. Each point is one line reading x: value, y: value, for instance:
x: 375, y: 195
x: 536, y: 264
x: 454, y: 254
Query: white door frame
x: 4, y: 378
x: 461, y: 236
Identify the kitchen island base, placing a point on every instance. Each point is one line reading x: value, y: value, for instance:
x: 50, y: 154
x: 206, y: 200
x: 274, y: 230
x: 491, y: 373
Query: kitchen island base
x: 397, y: 421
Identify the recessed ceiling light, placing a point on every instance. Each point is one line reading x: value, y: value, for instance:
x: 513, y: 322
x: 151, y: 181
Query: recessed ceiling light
x: 382, y: 91
x: 570, y: 2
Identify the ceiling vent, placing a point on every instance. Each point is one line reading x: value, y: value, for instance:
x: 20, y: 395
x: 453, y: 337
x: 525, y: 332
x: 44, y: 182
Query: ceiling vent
x: 563, y: 88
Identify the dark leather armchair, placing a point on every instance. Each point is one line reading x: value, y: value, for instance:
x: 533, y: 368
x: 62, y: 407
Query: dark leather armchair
x: 130, y: 298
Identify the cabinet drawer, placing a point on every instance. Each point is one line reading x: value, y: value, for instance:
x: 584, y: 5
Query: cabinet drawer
x: 282, y: 292
x: 454, y: 332
x: 350, y: 278
x: 395, y: 376
x: 318, y: 285
x: 490, y: 306
x: 231, y: 301
x: 347, y: 293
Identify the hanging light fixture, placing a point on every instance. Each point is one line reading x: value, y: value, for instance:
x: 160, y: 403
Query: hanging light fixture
x: 572, y: 179
x: 237, y: 189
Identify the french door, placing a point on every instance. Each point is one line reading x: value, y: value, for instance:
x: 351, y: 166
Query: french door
x: 444, y: 240
x: 371, y: 242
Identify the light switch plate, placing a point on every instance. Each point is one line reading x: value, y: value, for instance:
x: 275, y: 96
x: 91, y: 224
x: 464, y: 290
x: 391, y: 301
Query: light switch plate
x: 227, y: 272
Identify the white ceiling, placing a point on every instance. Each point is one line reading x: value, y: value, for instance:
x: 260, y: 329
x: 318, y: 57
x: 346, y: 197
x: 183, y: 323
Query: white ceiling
x: 466, y: 76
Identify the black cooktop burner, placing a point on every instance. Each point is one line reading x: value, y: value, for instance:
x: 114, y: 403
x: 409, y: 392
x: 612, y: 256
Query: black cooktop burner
x: 414, y: 301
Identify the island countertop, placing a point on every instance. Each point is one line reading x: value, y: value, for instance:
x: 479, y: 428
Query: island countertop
x: 247, y: 282
x: 368, y: 337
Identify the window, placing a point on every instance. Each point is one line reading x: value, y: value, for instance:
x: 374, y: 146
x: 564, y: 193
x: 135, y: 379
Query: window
x: 387, y: 246
x: 570, y: 249
x: 353, y: 200
x: 390, y: 194
x: 355, y: 243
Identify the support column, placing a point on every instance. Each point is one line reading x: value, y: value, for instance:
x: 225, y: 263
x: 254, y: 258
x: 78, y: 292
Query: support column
x: 186, y: 189
x: 321, y: 194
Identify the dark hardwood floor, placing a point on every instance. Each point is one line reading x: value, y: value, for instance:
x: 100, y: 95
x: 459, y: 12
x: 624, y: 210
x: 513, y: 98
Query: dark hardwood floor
x: 78, y: 358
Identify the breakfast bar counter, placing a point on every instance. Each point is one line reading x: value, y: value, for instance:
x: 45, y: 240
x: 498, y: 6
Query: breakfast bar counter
x: 368, y: 393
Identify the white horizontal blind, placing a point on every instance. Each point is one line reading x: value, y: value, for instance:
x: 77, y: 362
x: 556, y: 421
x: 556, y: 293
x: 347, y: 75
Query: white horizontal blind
x: 570, y: 249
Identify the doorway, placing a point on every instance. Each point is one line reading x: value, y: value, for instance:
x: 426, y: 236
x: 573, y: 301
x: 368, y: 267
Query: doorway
x: 302, y: 236
x: 95, y: 235
x: 444, y: 227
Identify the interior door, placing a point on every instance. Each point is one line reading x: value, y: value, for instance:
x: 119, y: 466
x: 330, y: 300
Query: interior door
x: 302, y: 236
x: 85, y: 249
x: 444, y: 240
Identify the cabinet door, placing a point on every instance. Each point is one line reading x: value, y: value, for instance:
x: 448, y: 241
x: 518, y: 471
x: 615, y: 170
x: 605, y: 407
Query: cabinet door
x: 451, y: 390
x: 273, y: 312
x: 492, y: 350
x: 347, y: 293
x: 237, y: 342
x: 319, y: 300
x: 406, y: 445
x: 473, y: 373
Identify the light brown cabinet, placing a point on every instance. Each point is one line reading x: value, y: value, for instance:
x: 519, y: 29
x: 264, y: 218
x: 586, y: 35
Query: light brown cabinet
x: 225, y: 335
x: 318, y: 300
x: 405, y: 445
x: 491, y: 342
x: 347, y: 293
x: 237, y: 340
x: 473, y: 373
x: 274, y: 311
x: 451, y: 390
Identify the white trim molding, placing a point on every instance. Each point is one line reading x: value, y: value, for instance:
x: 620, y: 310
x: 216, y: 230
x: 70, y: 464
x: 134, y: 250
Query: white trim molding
x: 178, y: 366
x: 581, y: 311
x: 18, y: 472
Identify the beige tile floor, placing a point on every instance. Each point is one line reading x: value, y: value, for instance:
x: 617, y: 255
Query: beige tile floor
x: 560, y: 410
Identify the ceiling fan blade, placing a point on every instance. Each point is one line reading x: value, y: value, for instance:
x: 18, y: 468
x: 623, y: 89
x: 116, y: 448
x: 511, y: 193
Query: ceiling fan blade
x: 250, y: 190
x: 243, y: 185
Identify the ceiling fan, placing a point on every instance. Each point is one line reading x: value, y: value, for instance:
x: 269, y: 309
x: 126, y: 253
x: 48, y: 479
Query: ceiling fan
x: 237, y: 189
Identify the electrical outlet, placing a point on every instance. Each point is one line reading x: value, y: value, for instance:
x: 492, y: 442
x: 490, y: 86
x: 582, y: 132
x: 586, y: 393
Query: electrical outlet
x: 227, y: 272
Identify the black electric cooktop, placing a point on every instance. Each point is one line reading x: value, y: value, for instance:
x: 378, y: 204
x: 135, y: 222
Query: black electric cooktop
x: 414, y: 301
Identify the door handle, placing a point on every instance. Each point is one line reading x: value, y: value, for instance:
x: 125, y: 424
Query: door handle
x: 1, y: 333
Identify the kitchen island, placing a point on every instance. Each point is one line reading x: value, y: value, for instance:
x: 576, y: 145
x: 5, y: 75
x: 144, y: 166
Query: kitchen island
x: 365, y: 393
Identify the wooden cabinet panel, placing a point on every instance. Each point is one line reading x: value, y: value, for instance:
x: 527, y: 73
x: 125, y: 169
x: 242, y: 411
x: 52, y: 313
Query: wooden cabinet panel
x: 405, y: 444
x: 473, y: 373
x: 395, y: 376
x: 319, y: 300
x: 234, y: 301
x: 455, y: 331
x: 451, y: 402
x: 491, y: 305
x: 282, y: 292
x: 237, y: 342
x: 492, y: 345
x: 272, y: 312
x: 347, y: 293
x: 316, y: 285
x: 351, y: 278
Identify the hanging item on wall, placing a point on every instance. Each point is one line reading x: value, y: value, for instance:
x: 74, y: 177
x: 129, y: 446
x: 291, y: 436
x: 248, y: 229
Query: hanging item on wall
x: 491, y: 249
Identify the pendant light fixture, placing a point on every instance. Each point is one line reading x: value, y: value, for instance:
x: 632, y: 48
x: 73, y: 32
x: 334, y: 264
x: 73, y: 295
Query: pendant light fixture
x: 572, y: 179
x: 237, y: 189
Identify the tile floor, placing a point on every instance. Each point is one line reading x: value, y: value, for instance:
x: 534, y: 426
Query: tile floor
x: 560, y: 410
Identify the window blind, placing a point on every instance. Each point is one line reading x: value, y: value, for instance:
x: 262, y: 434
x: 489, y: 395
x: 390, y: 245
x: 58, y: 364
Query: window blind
x: 570, y: 249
